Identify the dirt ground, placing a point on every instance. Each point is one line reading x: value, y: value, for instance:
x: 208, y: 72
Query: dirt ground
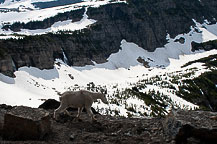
x: 106, y: 130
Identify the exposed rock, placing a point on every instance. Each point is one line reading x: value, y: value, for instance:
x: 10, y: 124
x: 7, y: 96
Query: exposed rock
x: 180, y: 40
x: 30, y: 51
x: 184, y: 126
x: 3, y: 110
x: 179, y: 126
x: 6, y: 66
x: 72, y: 137
x: 5, y: 107
x: 214, y: 117
x: 142, y: 61
x: 50, y: 104
x: 204, y: 46
x: 2, y: 114
x: 24, y: 123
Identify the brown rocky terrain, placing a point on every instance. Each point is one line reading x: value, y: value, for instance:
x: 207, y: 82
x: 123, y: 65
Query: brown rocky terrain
x: 180, y: 126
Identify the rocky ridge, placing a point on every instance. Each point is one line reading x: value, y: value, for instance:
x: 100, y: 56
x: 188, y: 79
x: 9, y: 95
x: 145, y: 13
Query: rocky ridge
x: 179, y: 126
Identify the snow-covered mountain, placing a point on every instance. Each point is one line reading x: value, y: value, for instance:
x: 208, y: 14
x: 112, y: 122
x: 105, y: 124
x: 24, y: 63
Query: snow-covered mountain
x: 25, y: 11
x: 140, y: 80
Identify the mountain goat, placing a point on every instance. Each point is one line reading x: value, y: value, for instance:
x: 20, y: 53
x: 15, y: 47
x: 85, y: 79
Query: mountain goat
x: 79, y: 99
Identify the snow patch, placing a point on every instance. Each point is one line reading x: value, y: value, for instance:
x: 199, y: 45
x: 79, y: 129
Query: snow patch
x: 130, y: 52
x: 41, y: 14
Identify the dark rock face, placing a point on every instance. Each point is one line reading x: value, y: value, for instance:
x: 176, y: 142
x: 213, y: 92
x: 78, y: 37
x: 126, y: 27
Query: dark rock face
x: 204, y: 46
x: 3, y: 110
x: 24, y: 123
x: 50, y: 104
x: 6, y: 66
x: 36, y: 51
x: 2, y: 1
x: 2, y: 114
x: 145, y: 23
x: 180, y: 40
x: 185, y: 126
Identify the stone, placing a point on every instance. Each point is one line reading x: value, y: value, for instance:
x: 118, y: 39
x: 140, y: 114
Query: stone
x: 180, y: 40
x: 72, y: 137
x: 50, y: 104
x: 213, y: 117
x: 183, y: 126
x: 25, y: 123
x: 2, y: 114
x: 142, y: 61
x: 3, y: 110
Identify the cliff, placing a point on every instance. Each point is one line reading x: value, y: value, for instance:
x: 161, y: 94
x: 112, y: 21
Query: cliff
x: 145, y: 23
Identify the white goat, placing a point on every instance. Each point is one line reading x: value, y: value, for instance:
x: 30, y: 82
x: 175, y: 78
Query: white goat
x: 79, y: 99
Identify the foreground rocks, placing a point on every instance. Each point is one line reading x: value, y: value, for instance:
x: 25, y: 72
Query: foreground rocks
x: 3, y: 111
x: 24, y: 123
x: 189, y: 127
x: 179, y: 126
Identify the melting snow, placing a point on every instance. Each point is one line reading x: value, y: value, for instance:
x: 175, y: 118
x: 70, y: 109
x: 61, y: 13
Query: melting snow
x: 121, y: 71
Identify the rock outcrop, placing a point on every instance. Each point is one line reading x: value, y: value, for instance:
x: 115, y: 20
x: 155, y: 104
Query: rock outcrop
x: 180, y: 127
x: 204, y: 46
x: 50, y: 104
x: 2, y: 114
x: 24, y: 123
x: 189, y: 127
x: 3, y: 111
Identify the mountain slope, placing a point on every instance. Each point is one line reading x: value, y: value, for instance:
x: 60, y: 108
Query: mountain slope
x: 135, y: 50
x: 115, y: 22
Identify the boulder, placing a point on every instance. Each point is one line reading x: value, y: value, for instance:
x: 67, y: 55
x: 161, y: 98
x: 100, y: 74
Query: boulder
x: 25, y: 123
x: 3, y: 110
x: 189, y: 126
x: 2, y: 114
x: 50, y: 104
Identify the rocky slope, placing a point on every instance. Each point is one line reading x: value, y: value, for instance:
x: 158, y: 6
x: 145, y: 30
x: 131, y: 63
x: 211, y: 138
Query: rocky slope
x: 145, y: 23
x: 178, y: 127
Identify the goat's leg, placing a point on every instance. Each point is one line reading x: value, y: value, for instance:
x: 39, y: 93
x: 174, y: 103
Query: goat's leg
x: 58, y: 110
x: 90, y: 113
x: 67, y: 112
x: 79, y: 112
